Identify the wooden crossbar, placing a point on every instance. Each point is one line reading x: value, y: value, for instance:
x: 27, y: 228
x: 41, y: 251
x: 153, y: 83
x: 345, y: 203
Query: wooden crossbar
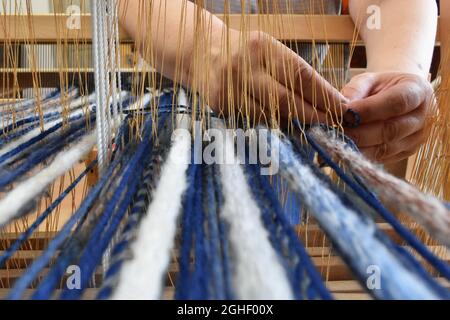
x: 51, y: 27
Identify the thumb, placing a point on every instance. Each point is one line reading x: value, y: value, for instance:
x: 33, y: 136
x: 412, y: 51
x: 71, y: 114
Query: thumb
x: 359, y: 87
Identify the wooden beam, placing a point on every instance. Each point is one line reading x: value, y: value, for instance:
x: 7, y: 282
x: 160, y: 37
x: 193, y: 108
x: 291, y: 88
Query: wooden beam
x: 297, y: 27
x: 50, y: 28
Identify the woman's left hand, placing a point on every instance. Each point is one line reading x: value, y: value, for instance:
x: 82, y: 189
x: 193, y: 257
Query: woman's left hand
x: 388, y: 114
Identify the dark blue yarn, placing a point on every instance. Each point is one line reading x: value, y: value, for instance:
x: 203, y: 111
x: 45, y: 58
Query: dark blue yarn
x: 184, y: 280
x: 34, y: 140
x: 373, y: 202
x: 267, y: 217
x: 24, y: 236
x: 31, y: 103
x: 29, y: 120
x: 139, y: 208
x: 33, y: 271
x: 99, y: 243
x: 140, y: 204
x: 71, y: 248
x: 59, y: 142
x: 90, y: 256
x: 217, y: 284
x: 409, y: 262
x: 304, y: 266
x: 200, y: 274
x: 103, y: 232
x: 19, y: 133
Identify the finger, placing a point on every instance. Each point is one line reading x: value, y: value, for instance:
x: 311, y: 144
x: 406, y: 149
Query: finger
x: 359, y: 87
x: 399, y: 157
x: 385, y: 151
x: 393, y: 102
x: 297, y: 75
x: 385, y: 132
x: 270, y: 92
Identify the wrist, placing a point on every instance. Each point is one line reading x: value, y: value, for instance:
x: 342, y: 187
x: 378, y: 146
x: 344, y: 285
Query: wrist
x: 401, y: 65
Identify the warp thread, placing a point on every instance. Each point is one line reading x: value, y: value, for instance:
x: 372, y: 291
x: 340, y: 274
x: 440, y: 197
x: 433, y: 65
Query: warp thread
x: 258, y: 273
x: 34, y: 137
x: 25, y: 235
x: 114, y: 213
x: 26, y: 191
x: 431, y: 213
x: 305, y: 280
x: 352, y: 235
x: 404, y: 256
x: 142, y: 277
x: 120, y: 251
x: 373, y: 202
x: 76, y: 131
x: 76, y: 219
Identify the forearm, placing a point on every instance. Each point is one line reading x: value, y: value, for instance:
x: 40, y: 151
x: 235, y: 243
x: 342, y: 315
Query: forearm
x: 165, y: 32
x: 406, y: 38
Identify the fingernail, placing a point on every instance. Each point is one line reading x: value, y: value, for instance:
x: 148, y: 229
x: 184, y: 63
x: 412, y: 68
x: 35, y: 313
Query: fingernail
x: 352, y: 119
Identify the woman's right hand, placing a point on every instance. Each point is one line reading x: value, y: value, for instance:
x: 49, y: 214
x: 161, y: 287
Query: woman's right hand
x: 268, y: 81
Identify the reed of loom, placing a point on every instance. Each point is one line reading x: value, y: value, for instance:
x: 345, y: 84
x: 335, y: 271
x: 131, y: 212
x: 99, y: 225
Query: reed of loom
x: 333, y: 29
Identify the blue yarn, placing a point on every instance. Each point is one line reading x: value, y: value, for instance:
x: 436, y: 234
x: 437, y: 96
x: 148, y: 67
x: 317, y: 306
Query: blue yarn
x: 140, y: 203
x: 24, y: 236
x: 223, y: 236
x: 34, y: 140
x: 406, y: 258
x: 33, y: 271
x: 97, y: 242
x: 27, y: 104
x: 268, y: 220
x: 373, y: 202
x: 200, y: 274
x: 19, y: 133
x: 217, y: 281
x: 303, y: 266
x: 71, y: 249
x: 342, y: 225
x: 184, y: 276
x: 71, y: 135
x: 413, y: 264
x: 29, y: 120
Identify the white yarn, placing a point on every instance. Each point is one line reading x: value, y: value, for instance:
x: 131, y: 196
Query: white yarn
x: 356, y: 236
x: 143, y: 276
x: 80, y: 101
x: 424, y: 208
x: 34, y: 133
x: 257, y: 273
x: 144, y: 100
x: 30, y: 113
x: 26, y: 191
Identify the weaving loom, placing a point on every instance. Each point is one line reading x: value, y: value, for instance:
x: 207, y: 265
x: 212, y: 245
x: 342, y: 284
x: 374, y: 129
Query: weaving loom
x: 100, y: 177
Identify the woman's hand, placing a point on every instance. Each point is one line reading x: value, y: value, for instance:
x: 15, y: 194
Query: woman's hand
x: 392, y: 110
x: 267, y: 80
